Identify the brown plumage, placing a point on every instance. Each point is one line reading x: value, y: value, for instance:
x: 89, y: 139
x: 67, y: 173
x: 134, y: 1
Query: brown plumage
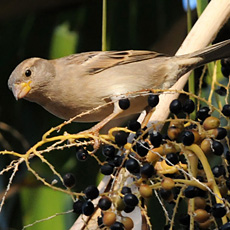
x: 80, y: 82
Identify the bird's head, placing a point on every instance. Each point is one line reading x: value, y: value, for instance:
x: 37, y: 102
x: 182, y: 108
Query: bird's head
x: 30, y: 77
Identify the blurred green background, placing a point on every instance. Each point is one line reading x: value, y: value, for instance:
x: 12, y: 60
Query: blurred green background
x: 52, y: 29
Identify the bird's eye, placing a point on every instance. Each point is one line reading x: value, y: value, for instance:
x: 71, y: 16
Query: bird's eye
x: 28, y: 73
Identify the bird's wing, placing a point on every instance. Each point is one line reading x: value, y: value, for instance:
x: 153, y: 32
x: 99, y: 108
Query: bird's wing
x: 95, y: 62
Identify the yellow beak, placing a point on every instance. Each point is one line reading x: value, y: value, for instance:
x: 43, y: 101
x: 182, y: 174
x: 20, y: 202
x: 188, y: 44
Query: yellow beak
x: 21, y: 90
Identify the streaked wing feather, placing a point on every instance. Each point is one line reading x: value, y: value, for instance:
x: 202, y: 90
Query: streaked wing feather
x: 96, y: 62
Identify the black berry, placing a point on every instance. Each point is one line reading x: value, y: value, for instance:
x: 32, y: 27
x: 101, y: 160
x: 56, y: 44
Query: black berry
x: 77, y: 206
x: 87, y: 208
x: 141, y: 148
x: 129, y: 209
x: 175, y: 106
x: 155, y: 139
x: 108, y: 151
x: 173, y: 158
x: 147, y: 170
x: 203, y: 113
x: 218, y: 210
x: 121, y: 138
x: 132, y: 166
x: 91, y: 192
x: 82, y: 154
x: 125, y: 190
x: 221, y: 133
x: 134, y: 125
x: 124, y: 103
x: 221, y: 91
x: 218, y: 148
x: 117, y: 226
x: 218, y: 170
x: 226, y: 110
x: 153, y: 100
x: 188, y: 106
x: 130, y: 199
x: 104, y: 203
x: 188, y: 138
x: 69, y: 180
x: 107, y: 169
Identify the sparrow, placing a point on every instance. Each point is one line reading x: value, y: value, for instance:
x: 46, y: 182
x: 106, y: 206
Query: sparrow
x: 78, y: 83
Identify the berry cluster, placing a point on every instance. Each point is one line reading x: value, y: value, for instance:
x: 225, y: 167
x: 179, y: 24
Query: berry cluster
x: 174, y: 164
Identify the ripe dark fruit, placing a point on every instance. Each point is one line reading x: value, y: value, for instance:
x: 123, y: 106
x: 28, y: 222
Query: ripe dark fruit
x: 124, y: 103
x: 117, y: 160
x: 156, y: 139
x: 130, y: 199
x: 87, y: 208
x: 175, y: 106
x: 129, y: 209
x: 221, y: 133
x: 217, y: 147
x: 117, y: 226
x: 147, y: 170
x: 188, y: 138
x: 191, y: 192
x: 100, y: 222
x: 226, y: 110
x: 221, y: 91
x: 82, y: 154
x: 77, y: 206
x: 188, y: 106
x: 203, y: 113
x: 121, y: 138
x: 125, y: 190
x: 104, y: 203
x: 173, y: 158
x: 225, y: 67
x: 107, y: 169
x: 134, y: 125
x: 69, y: 180
x: 218, y: 170
x: 218, y: 210
x: 108, y: 151
x: 132, y: 166
x: 141, y: 148
x: 91, y: 192
x: 153, y: 100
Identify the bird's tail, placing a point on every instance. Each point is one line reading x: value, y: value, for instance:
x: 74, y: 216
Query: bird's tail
x: 211, y: 53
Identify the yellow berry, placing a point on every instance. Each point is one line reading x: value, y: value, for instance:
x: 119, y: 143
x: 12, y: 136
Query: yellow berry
x: 145, y: 191
x: 109, y: 218
x: 211, y: 123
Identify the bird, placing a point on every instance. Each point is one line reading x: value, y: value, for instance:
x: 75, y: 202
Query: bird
x: 79, y: 83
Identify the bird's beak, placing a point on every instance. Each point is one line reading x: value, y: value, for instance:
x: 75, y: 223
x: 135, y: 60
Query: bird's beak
x: 20, y: 90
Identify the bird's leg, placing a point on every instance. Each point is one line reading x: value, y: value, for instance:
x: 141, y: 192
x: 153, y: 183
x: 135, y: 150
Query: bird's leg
x: 116, y: 111
x: 96, y: 128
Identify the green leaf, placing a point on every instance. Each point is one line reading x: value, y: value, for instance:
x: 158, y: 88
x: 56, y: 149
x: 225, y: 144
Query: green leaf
x: 43, y: 202
x: 201, y: 5
x: 63, y: 41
